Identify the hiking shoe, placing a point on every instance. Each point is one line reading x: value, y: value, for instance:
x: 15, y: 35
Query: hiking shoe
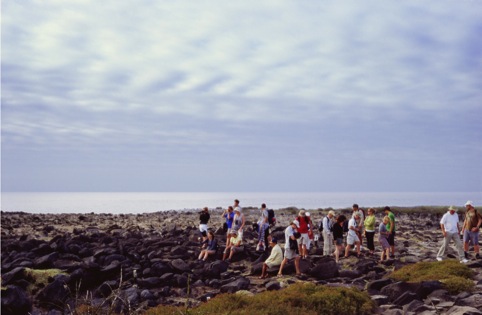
x: 477, y: 256
x: 466, y: 255
x: 464, y: 261
x: 440, y: 259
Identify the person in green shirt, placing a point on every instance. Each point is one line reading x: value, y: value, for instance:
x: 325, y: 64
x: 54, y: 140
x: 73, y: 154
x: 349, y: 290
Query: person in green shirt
x: 391, y: 230
x: 370, y: 230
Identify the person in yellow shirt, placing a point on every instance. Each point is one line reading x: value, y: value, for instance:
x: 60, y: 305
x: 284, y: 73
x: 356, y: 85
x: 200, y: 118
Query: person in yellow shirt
x: 235, y: 246
x: 274, y: 259
x: 369, y: 224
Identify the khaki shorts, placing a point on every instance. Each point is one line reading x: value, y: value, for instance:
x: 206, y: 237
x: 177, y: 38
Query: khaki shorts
x: 290, y: 253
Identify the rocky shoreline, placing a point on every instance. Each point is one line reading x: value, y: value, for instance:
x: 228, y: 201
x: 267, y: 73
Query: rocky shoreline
x: 150, y: 259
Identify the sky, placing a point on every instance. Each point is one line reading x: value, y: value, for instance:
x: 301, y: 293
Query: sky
x: 241, y: 96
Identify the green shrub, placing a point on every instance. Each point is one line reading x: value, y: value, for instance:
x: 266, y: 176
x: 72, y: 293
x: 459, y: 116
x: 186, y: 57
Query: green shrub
x: 39, y: 278
x: 299, y: 298
x: 454, y: 276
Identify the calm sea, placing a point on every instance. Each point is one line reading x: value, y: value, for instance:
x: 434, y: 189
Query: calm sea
x: 151, y: 202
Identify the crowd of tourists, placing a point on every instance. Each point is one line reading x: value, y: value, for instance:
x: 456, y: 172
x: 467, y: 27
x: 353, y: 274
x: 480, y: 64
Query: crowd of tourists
x: 342, y: 235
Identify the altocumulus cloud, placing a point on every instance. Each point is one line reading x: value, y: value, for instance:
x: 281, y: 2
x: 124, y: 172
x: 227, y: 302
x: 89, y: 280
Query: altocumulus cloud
x: 180, y: 79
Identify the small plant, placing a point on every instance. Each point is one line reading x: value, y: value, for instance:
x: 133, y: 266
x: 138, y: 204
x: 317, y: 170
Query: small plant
x: 454, y: 276
x: 39, y: 278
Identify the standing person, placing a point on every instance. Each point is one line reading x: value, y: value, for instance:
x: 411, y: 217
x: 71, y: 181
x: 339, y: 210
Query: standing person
x: 291, y: 251
x: 352, y: 238
x: 361, y: 214
x: 472, y: 223
x: 263, y: 227
x: 304, y: 228
x: 328, y: 236
x: 229, y: 216
x: 209, y: 247
x: 274, y: 259
x: 203, y: 223
x: 383, y: 238
x: 370, y: 230
x: 451, y: 231
x: 391, y: 229
x: 238, y: 222
x: 338, y: 235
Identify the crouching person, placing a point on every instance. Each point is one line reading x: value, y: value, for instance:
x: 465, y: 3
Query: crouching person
x: 274, y: 259
x: 210, y: 247
x: 235, y: 246
x: 291, y: 248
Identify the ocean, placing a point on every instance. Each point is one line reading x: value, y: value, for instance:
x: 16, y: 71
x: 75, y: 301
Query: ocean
x: 141, y: 202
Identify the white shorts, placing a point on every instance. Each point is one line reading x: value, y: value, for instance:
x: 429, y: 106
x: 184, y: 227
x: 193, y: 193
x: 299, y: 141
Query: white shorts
x: 290, y: 253
x: 203, y: 228
x: 350, y: 239
x: 304, y: 239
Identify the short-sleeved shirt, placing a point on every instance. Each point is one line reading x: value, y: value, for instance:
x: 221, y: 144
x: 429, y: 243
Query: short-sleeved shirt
x: 450, y: 222
x: 229, y: 219
x: 392, y: 217
x: 352, y: 223
x: 471, y: 219
x: 234, y: 240
x: 238, y: 221
x: 288, y: 232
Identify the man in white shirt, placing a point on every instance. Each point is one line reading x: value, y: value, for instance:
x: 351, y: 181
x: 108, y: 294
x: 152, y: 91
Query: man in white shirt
x: 291, y: 252
x: 327, y: 223
x: 451, y: 231
x: 352, y: 237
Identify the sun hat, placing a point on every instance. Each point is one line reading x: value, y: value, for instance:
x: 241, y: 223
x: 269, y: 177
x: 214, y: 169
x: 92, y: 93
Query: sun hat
x: 295, y: 222
x: 331, y: 212
x: 302, y: 213
x: 468, y: 203
x: 452, y: 208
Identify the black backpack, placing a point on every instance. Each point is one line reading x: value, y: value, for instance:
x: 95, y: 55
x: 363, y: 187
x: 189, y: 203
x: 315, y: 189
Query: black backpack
x: 271, y: 217
x: 320, y: 226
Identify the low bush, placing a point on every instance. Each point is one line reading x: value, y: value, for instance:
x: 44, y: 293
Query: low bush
x: 454, y: 276
x: 39, y: 278
x: 299, y: 298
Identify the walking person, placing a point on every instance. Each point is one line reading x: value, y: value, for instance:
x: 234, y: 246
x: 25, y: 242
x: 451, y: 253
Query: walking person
x: 328, y: 237
x: 472, y: 223
x: 451, y: 231
x: 352, y: 238
x: 263, y: 226
x: 361, y: 214
x: 291, y: 248
x: 370, y: 230
x: 383, y: 235
x: 303, y: 229
x: 338, y: 236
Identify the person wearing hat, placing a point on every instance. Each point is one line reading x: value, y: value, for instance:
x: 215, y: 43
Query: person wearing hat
x: 238, y: 222
x: 352, y: 238
x: 470, y: 230
x: 274, y: 259
x: 327, y: 224
x: 235, y: 246
x: 305, y: 228
x: 291, y: 247
x: 451, y: 231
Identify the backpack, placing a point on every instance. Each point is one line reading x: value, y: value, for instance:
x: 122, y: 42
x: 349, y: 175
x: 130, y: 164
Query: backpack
x: 320, y: 226
x: 363, y: 211
x: 271, y: 217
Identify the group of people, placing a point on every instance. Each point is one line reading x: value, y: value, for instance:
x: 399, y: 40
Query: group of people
x: 360, y: 226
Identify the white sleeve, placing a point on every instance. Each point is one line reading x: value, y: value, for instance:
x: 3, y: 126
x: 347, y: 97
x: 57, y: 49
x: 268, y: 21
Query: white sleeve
x: 325, y: 225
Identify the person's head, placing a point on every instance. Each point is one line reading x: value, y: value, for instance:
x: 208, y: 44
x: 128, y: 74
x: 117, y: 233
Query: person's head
x: 230, y: 209
x: 205, y: 209
x: 211, y: 235
x: 355, y: 207
x: 331, y: 214
x: 469, y: 205
x: 302, y: 213
x: 273, y: 242
x: 237, y: 211
x: 357, y: 216
x: 452, y: 209
x: 295, y: 224
x: 371, y: 211
x: 386, y: 209
x: 263, y: 206
x: 341, y: 218
x: 236, y: 202
x: 386, y: 219
x: 234, y: 233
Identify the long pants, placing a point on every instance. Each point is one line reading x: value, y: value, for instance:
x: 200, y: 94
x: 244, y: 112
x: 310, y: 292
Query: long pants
x: 445, y: 245
x: 327, y: 243
x: 262, y: 235
x: 370, y: 236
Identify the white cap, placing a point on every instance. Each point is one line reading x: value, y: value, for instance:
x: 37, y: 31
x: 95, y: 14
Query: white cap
x: 468, y: 203
x: 295, y: 222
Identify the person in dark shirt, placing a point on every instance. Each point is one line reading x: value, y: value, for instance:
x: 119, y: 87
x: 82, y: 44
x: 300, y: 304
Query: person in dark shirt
x: 338, y: 235
x: 203, y: 223
x: 210, y: 247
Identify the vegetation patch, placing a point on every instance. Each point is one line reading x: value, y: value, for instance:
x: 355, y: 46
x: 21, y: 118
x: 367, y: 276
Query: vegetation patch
x: 299, y: 298
x: 455, y: 277
x: 39, y: 278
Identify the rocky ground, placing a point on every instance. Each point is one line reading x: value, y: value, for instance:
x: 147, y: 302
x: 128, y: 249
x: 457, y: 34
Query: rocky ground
x: 151, y: 259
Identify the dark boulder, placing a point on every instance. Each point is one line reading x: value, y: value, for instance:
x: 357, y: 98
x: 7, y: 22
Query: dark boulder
x: 13, y: 275
x: 15, y: 301
x: 54, y: 294
x: 47, y: 261
x: 151, y: 282
x: 378, y: 284
x: 239, y: 284
x: 324, y: 269
x: 179, y: 265
x: 272, y: 285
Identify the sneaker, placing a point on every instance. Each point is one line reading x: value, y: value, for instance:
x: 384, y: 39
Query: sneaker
x: 477, y: 256
x: 466, y: 255
x: 439, y: 258
x: 464, y: 261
